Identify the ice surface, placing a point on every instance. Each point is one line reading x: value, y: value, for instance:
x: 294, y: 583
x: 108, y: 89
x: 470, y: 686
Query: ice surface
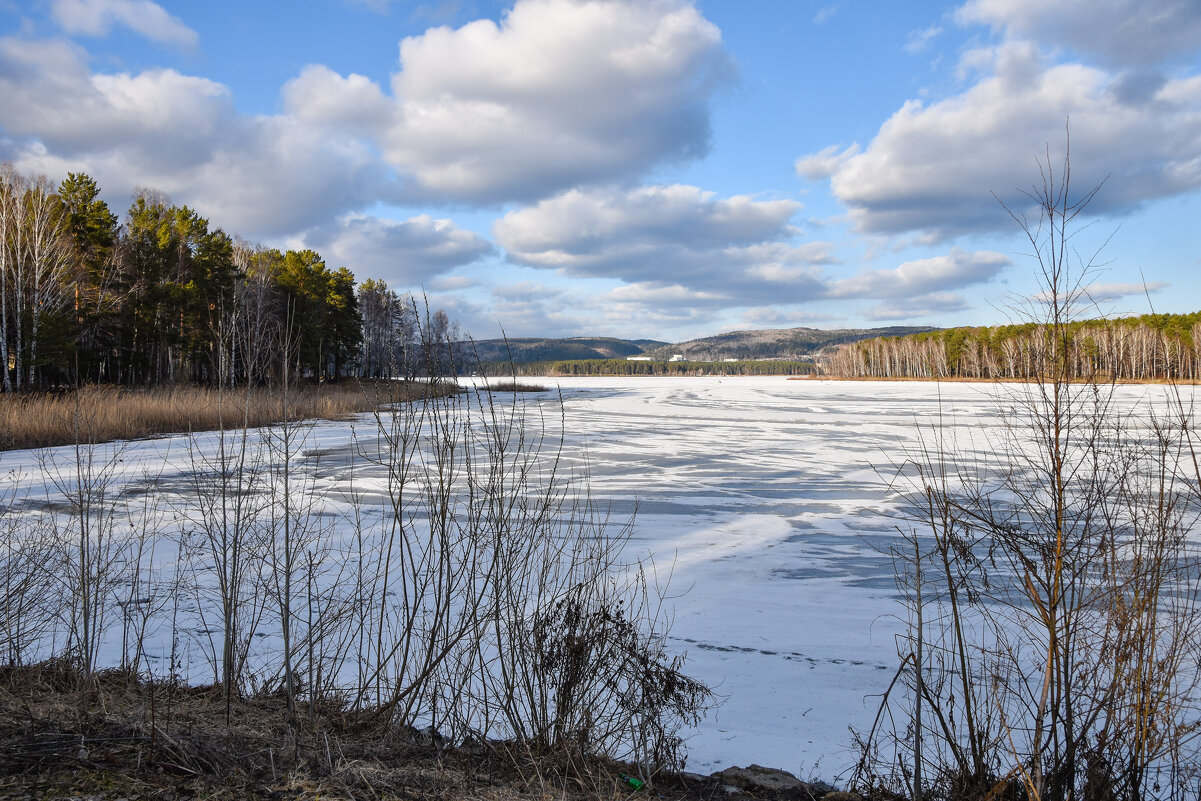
x: 767, y: 499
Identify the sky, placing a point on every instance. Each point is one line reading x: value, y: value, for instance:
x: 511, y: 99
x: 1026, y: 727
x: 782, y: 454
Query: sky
x: 660, y: 169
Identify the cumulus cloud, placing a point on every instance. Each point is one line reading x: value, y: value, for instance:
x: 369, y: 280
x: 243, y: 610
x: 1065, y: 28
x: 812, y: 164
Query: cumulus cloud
x: 663, y: 235
x: 932, y: 168
x: 586, y: 230
x: 678, y: 247
x: 1121, y: 32
x: 352, y: 103
x: 97, y: 18
x: 559, y: 93
x: 404, y: 252
x: 957, y: 269
x: 52, y: 96
x: 259, y: 175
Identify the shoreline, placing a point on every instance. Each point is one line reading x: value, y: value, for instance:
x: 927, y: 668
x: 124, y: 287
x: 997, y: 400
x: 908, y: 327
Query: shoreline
x: 967, y: 380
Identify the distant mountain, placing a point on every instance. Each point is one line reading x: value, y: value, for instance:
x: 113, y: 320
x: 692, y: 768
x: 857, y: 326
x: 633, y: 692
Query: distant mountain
x: 786, y: 343
x: 778, y: 343
x: 537, y: 349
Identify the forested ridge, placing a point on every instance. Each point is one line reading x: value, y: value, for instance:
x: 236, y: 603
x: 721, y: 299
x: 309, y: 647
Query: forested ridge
x: 1146, y: 347
x: 572, y: 367
x: 164, y: 297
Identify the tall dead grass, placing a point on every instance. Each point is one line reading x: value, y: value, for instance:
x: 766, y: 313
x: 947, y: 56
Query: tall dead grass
x: 102, y: 414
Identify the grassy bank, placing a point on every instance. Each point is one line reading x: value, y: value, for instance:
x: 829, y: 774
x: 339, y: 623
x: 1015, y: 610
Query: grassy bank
x: 101, y: 414
x: 120, y: 735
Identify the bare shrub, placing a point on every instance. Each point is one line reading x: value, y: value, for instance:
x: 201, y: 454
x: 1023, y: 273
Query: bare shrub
x: 445, y: 569
x: 1054, y: 630
x: 27, y: 599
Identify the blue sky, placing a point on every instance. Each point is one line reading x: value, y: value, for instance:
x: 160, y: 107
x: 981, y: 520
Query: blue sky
x: 639, y: 168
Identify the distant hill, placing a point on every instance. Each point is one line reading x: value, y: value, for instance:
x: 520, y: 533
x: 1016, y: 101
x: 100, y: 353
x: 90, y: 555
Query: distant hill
x: 538, y: 349
x: 781, y: 343
x: 789, y: 344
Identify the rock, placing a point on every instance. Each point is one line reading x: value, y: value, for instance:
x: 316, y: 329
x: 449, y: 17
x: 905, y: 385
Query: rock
x: 822, y: 789
x: 692, y: 778
x: 730, y: 789
x: 757, y: 777
x: 842, y: 795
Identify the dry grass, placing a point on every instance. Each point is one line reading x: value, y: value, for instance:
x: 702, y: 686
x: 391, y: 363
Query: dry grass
x: 119, y: 735
x: 998, y: 380
x: 513, y: 386
x: 101, y: 414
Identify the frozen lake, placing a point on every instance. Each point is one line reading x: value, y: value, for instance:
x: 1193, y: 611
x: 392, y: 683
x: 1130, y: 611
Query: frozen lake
x: 769, y: 496
x: 770, y: 499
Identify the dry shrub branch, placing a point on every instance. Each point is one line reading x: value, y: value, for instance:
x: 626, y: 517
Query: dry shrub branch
x: 443, y: 572
x: 1054, y: 631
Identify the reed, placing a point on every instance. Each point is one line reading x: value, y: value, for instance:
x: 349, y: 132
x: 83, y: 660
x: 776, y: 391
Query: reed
x: 104, y: 413
x: 513, y: 386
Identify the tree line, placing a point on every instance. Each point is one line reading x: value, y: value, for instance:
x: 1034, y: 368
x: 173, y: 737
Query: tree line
x: 639, y: 367
x: 164, y: 297
x: 1146, y: 347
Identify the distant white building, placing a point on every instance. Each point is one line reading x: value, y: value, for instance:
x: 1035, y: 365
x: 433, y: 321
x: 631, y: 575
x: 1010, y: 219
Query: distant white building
x: 639, y: 359
x: 679, y: 357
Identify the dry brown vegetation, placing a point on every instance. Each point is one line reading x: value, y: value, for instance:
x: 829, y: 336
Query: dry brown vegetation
x: 121, y: 735
x: 1050, y: 577
x: 478, y: 592
x: 114, y: 413
x: 513, y: 386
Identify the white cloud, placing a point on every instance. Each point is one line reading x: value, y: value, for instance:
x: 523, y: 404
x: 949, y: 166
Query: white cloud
x: 918, y: 41
x: 662, y: 236
x: 51, y: 95
x: 678, y: 248
x: 595, y: 231
x: 826, y: 162
x: 957, y: 269
x: 660, y: 295
x: 1089, y: 299
x: 825, y: 14
x: 97, y: 18
x: 1100, y: 292
x: 932, y: 168
x: 560, y: 92
x: 1123, y: 32
x: 258, y: 175
x: 353, y: 103
x: 404, y: 253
